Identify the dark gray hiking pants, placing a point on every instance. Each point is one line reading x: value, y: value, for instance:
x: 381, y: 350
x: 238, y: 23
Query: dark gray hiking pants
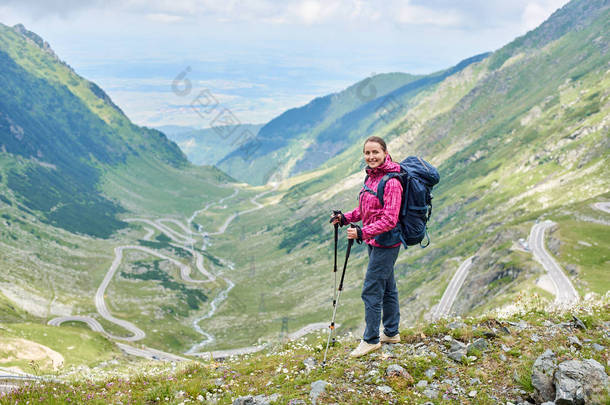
x: 379, y: 292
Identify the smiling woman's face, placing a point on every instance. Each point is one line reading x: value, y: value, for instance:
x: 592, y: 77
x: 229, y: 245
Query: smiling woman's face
x: 374, y: 155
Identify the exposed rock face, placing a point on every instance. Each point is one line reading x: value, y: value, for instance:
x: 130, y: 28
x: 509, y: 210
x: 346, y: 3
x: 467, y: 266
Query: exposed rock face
x: 573, y: 382
x: 35, y: 38
x: 542, y: 377
x: 580, y: 382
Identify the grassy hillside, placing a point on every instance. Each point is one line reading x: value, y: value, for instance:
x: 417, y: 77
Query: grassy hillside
x: 514, y: 142
x: 59, y: 131
x: 499, y: 371
x: 518, y: 135
x: 72, y: 169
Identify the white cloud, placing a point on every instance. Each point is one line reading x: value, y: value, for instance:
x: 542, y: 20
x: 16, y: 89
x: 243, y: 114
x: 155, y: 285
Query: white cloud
x: 535, y: 13
x: 261, y: 57
x: 164, y: 18
x: 418, y: 15
x: 309, y: 11
x: 437, y: 13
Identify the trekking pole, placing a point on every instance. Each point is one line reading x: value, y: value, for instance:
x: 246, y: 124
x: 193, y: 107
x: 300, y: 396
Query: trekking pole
x: 335, y: 266
x: 350, y: 242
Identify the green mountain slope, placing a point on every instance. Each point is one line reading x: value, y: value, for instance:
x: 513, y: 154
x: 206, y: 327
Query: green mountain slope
x: 305, y: 138
x: 515, y: 141
x: 74, y: 172
x: 58, y: 131
x: 291, y: 133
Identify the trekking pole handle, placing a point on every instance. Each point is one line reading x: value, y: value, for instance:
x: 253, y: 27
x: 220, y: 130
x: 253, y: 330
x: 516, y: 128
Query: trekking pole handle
x: 336, y: 214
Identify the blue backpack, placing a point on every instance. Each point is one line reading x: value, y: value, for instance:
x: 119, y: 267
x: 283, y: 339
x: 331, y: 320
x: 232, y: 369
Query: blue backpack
x: 417, y: 178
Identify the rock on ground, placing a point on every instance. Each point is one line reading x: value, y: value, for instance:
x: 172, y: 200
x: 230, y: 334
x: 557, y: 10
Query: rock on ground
x: 458, y: 355
x: 480, y: 344
x: 256, y: 400
x: 431, y: 392
x: 247, y: 400
x: 317, y: 387
x: 542, y: 377
x: 395, y: 370
x: 580, y: 382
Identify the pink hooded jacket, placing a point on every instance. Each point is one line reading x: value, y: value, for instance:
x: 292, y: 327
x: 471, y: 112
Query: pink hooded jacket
x: 375, y: 218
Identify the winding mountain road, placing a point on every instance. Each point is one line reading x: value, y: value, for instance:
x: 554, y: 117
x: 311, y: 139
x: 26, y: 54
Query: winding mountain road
x: 230, y: 219
x: 11, y: 380
x: 91, y: 322
x: 448, y: 298
x: 100, y: 304
x: 149, y: 353
x: 565, y: 293
x: 183, y: 241
x: 602, y: 206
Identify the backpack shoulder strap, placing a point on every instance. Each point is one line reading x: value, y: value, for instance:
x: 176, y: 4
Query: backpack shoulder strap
x: 366, y: 188
x: 384, y: 180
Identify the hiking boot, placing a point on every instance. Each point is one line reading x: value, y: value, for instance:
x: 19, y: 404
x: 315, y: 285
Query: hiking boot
x: 364, y: 348
x: 386, y: 339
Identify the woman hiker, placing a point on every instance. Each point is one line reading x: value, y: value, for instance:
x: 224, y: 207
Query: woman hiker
x: 379, y: 290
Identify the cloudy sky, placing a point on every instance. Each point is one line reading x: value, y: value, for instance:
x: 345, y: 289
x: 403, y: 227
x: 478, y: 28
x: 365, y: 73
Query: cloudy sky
x: 260, y: 57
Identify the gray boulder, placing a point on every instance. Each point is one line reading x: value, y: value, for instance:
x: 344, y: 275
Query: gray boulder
x: 580, y: 382
x: 458, y: 355
x: 479, y: 344
x: 598, y: 347
x: 394, y: 370
x: 256, y: 400
x: 247, y: 400
x: 430, y: 372
x: 457, y: 350
x: 309, y: 363
x: 456, y: 345
x: 266, y: 400
x: 542, y: 377
x: 456, y: 325
x: 574, y: 341
x: 431, y: 392
x: 317, y: 387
